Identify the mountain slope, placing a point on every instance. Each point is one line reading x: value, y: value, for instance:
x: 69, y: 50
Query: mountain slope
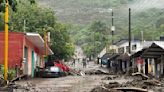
x: 85, y: 11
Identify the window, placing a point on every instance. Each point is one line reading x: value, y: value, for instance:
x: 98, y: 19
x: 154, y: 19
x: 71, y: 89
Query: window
x: 127, y: 48
x: 134, y: 47
x: 121, y: 50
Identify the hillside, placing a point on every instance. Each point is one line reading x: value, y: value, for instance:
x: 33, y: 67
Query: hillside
x: 87, y: 16
x: 85, y: 11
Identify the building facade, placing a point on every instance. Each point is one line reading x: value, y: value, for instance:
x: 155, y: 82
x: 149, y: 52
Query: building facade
x: 26, y: 51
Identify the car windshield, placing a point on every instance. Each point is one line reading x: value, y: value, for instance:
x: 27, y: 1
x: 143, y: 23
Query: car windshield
x: 54, y: 69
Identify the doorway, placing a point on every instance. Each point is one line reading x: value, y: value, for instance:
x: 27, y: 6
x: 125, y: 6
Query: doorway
x: 33, y: 63
x: 25, y: 61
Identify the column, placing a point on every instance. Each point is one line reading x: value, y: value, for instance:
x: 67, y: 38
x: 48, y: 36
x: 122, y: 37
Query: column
x: 153, y: 65
x: 149, y: 66
x: 162, y: 64
x: 143, y: 66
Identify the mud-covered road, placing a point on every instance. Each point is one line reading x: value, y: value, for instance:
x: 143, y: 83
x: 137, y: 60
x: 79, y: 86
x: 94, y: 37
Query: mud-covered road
x: 72, y: 83
x: 63, y: 84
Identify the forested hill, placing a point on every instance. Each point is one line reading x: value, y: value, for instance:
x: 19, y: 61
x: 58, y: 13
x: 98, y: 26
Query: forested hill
x: 93, y: 20
x: 85, y: 11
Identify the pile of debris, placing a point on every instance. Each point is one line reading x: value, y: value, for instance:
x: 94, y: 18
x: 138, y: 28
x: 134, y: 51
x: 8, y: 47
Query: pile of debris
x: 111, y: 77
x: 140, y: 83
x: 107, y: 88
x: 2, y: 82
x: 13, y: 87
x: 96, y: 72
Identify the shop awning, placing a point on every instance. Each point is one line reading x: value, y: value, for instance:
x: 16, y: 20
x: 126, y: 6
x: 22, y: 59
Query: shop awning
x: 38, y: 41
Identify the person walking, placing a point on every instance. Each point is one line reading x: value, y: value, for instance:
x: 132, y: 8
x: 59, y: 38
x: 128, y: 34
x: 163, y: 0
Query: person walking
x: 73, y: 63
x: 84, y: 63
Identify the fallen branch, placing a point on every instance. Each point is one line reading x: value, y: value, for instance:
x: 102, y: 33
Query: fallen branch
x: 19, y: 78
x: 131, y: 89
x: 141, y: 74
x: 153, y: 82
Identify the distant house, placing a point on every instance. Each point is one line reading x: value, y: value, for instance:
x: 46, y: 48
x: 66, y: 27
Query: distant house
x: 26, y: 50
x: 146, y: 57
x: 123, y: 46
x: 102, y: 55
x: 152, y: 59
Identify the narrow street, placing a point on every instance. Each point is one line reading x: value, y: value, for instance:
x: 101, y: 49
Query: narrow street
x: 65, y: 84
x: 82, y: 46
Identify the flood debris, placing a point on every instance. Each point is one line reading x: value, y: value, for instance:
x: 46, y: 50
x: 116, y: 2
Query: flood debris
x: 2, y: 82
x: 140, y: 83
x: 96, y: 72
x: 110, y: 77
x: 133, y: 89
x: 103, y: 89
x: 14, y: 87
x: 144, y: 77
x: 112, y: 85
x: 153, y: 82
x: 76, y: 72
x: 19, y: 78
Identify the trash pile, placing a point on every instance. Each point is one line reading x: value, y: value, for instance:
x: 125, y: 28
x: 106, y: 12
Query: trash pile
x: 140, y: 83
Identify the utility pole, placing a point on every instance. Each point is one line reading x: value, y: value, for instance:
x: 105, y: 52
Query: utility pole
x: 6, y: 41
x: 142, y: 38
x: 113, y: 27
x: 129, y: 31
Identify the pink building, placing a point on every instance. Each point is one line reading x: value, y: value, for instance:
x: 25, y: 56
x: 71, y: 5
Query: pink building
x: 26, y: 50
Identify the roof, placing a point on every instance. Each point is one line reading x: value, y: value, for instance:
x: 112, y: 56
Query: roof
x: 121, y: 41
x: 124, y: 57
x: 114, y: 56
x: 155, y: 50
x: 38, y: 41
x: 110, y: 56
x: 106, y: 56
x: 138, y: 53
x: 159, y: 43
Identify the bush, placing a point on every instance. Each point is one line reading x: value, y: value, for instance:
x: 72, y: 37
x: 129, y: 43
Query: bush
x: 11, y: 72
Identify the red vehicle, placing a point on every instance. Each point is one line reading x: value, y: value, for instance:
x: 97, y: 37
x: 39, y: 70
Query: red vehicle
x: 61, y: 66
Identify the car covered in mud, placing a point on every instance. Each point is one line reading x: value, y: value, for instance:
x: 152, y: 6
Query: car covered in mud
x: 52, y: 71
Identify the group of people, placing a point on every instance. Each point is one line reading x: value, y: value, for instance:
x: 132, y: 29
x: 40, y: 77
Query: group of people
x: 84, y: 62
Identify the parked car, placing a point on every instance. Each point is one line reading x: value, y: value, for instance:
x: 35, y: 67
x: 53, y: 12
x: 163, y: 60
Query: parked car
x: 52, y: 71
x: 104, y: 62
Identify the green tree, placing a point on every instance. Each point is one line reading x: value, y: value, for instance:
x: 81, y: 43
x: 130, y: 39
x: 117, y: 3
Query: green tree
x: 29, y: 17
x: 95, y: 39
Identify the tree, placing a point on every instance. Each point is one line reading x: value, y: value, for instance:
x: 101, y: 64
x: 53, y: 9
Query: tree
x: 29, y: 17
x: 95, y: 39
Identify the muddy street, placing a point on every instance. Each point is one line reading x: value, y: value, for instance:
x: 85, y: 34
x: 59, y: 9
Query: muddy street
x: 63, y: 84
x: 71, y: 83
